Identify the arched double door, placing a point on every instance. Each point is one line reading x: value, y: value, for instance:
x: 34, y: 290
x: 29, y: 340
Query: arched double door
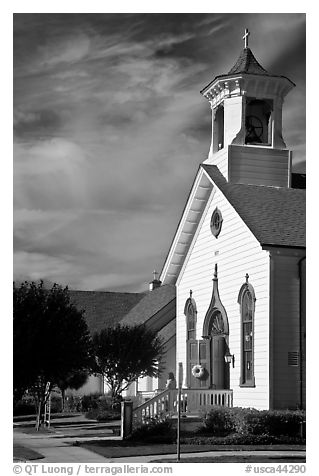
x: 209, y: 352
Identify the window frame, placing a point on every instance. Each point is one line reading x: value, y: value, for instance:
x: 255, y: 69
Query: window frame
x: 247, y: 381
x: 190, y: 312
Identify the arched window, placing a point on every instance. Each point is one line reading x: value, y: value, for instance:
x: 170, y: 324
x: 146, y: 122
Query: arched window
x: 190, y: 311
x: 246, y: 300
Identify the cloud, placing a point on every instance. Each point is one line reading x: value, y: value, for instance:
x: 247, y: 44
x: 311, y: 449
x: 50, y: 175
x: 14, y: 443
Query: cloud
x: 54, y: 155
x: 34, y: 266
x: 49, y: 174
x: 69, y: 50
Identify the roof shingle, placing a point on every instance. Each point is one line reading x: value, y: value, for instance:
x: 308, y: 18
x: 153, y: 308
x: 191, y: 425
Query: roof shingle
x: 168, y: 331
x: 104, y: 309
x: 275, y: 215
x: 247, y: 63
x: 151, y: 304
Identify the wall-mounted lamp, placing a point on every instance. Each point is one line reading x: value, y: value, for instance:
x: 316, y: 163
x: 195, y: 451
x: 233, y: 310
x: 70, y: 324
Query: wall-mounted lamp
x: 229, y: 358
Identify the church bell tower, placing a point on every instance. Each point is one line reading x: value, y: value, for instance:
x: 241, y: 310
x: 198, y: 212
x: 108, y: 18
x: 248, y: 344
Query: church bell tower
x: 247, y: 143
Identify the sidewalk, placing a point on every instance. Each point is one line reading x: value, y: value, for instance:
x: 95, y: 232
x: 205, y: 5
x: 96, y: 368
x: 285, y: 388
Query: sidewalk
x: 56, y: 450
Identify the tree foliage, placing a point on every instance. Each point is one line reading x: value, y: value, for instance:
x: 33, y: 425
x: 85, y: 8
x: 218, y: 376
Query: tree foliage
x: 124, y: 353
x: 51, y: 339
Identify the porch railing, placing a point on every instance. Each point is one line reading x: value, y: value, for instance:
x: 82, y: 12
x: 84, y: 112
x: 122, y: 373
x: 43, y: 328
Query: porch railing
x: 164, y: 404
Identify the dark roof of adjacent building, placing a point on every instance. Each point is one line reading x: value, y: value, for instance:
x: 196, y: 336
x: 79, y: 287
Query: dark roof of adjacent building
x: 150, y: 305
x: 275, y: 215
x: 102, y: 308
x: 248, y: 64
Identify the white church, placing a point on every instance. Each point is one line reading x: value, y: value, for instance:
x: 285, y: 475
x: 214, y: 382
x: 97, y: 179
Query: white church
x: 230, y: 299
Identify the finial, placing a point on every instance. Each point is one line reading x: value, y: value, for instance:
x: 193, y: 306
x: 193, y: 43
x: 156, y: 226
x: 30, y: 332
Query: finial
x: 245, y: 37
x: 155, y: 273
x: 190, y: 293
x: 247, y: 277
x: 215, y: 272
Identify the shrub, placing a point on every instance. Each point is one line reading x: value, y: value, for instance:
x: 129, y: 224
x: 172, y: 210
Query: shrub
x: 268, y: 422
x: 25, y: 406
x: 108, y: 415
x: 236, y: 439
x: 155, y: 431
x: 219, y: 421
x: 90, y: 402
x: 56, y: 404
x: 248, y: 421
x: 73, y: 403
x: 283, y: 422
x: 101, y: 408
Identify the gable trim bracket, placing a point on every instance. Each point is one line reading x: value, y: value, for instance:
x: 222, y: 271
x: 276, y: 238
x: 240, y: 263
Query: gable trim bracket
x: 187, y: 227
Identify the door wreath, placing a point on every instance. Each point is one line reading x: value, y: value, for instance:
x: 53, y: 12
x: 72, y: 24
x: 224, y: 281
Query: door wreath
x: 198, y: 371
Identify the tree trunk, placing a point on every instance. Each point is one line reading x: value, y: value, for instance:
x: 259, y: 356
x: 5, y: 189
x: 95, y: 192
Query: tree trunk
x: 39, y: 412
x: 63, y: 400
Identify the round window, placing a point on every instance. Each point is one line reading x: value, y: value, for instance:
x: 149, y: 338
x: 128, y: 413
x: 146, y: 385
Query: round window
x: 216, y: 222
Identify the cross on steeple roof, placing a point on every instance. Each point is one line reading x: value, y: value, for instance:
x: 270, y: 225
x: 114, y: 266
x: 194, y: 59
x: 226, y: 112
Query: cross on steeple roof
x: 246, y: 36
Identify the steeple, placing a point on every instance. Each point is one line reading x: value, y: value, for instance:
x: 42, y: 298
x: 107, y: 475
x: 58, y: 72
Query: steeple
x: 246, y: 108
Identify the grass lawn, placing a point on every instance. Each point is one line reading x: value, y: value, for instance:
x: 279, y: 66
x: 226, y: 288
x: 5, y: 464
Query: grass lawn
x: 235, y: 459
x: 30, y: 430
x: 21, y: 453
x: 122, y: 449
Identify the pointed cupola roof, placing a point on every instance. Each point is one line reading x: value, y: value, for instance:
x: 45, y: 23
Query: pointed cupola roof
x: 248, y: 64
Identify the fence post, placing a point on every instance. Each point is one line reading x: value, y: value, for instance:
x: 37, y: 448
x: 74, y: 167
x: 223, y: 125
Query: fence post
x: 126, y: 419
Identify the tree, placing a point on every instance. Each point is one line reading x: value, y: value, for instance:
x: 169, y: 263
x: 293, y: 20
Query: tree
x: 74, y: 380
x: 124, y: 353
x: 51, y: 340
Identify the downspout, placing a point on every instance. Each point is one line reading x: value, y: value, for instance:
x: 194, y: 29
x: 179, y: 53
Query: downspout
x: 301, y: 330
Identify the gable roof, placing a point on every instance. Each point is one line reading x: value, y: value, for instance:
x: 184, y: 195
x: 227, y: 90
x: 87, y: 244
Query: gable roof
x: 275, y: 215
x: 151, y: 304
x: 102, y: 308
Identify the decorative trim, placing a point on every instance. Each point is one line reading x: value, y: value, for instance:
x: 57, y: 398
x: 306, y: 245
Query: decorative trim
x: 215, y: 311
x: 190, y: 311
x: 248, y: 384
x: 247, y: 287
x: 190, y: 305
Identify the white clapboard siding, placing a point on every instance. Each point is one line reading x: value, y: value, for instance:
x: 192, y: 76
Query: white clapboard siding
x: 220, y: 159
x: 259, y: 165
x: 237, y: 252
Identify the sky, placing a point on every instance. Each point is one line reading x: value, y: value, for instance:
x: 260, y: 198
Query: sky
x: 110, y: 128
